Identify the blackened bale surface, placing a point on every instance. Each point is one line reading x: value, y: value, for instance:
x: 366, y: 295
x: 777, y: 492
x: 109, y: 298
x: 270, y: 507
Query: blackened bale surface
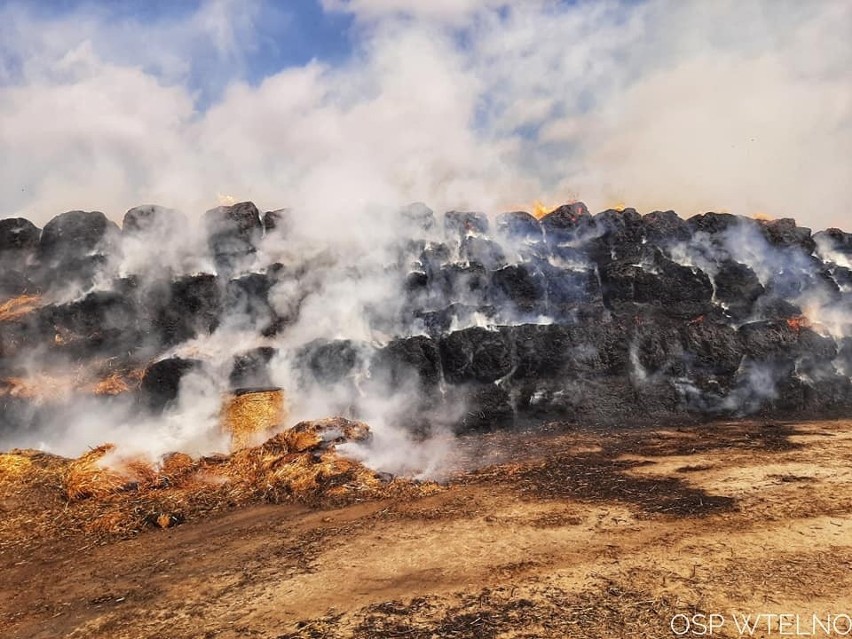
x: 250, y: 368
x: 678, y: 290
x: 150, y: 218
x: 75, y: 234
x: 233, y: 233
x: 476, y: 354
x: 738, y: 287
x: 785, y: 233
x: 161, y: 382
x: 192, y: 306
x: 409, y: 360
x: 542, y: 351
x: 519, y: 226
x: 103, y: 323
x: 458, y: 224
x: 568, y: 223
x: 482, y: 251
x: 663, y: 228
x: 75, y: 245
x: 18, y: 234
x: 521, y: 285
x: 487, y: 407
x: 331, y: 361
x: 618, y: 235
x: 714, y: 223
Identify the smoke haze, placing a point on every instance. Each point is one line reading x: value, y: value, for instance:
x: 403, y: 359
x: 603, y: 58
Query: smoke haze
x: 739, y: 106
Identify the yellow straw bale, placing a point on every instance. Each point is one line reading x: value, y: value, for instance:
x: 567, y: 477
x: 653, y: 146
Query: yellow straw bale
x: 251, y: 416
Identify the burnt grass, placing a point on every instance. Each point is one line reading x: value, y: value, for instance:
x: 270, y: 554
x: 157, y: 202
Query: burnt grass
x: 604, y: 476
x: 494, y: 612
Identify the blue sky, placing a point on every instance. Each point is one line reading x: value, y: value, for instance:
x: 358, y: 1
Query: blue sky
x: 282, y: 34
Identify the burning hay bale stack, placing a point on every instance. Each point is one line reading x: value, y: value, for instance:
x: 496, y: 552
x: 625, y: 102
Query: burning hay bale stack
x: 464, y: 319
x: 105, y: 492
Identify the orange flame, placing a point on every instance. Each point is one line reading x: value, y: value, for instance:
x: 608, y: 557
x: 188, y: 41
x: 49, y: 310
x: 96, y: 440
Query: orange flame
x: 798, y: 323
x: 540, y: 209
x: 763, y: 217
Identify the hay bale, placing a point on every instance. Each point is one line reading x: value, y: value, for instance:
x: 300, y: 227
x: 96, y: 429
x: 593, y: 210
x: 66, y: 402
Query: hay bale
x: 251, y: 415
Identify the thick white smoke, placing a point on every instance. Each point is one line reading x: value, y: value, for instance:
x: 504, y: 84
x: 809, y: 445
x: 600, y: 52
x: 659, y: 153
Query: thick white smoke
x: 744, y: 106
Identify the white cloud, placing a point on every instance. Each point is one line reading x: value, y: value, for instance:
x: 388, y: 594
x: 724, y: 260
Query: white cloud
x: 688, y: 105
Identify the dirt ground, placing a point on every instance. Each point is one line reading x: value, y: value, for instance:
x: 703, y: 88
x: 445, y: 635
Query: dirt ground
x: 560, y: 532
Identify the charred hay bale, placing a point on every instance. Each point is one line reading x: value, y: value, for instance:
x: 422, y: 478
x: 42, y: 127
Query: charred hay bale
x: 102, y: 323
x: 278, y: 222
x: 460, y: 224
x: 409, y: 360
x: 796, y: 279
x: 476, y: 354
x: 331, y: 361
x: 715, y: 223
x: 599, y: 401
x: 462, y: 283
x: 17, y: 234
x: 75, y: 245
x: 434, y: 256
x: 565, y: 288
x: 599, y: 348
x: 519, y: 226
x: 711, y: 347
x: 151, y: 219
x: 487, y: 407
x: 656, y: 351
x: 233, y: 233
x: 737, y: 287
x: 435, y: 322
x: 617, y: 235
x: 784, y: 233
x: 834, y: 240
x: 663, y: 228
x: 842, y: 277
x: 15, y: 281
x: 568, y: 223
x: 676, y: 290
x: 161, y: 382
x: 250, y: 368
x: 769, y: 340
x: 521, y: 285
x: 418, y: 217
x: 245, y: 302
x: 771, y: 307
x: 76, y: 233
x: 482, y: 251
x: 190, y: 306
x: 542, y: 351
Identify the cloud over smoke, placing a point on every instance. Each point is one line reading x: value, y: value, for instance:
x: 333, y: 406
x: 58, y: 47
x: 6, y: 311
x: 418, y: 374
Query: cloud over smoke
x: 743, y: 106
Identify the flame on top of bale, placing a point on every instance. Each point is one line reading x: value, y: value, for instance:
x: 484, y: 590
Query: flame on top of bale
x: 18, y: 307
x: 252, y: 414
x: 540, y: 209
x: 798, y: 323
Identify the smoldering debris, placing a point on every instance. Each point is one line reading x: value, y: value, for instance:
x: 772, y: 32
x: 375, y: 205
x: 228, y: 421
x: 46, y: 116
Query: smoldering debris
x: 107, y: 493
x: 421, y: 324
